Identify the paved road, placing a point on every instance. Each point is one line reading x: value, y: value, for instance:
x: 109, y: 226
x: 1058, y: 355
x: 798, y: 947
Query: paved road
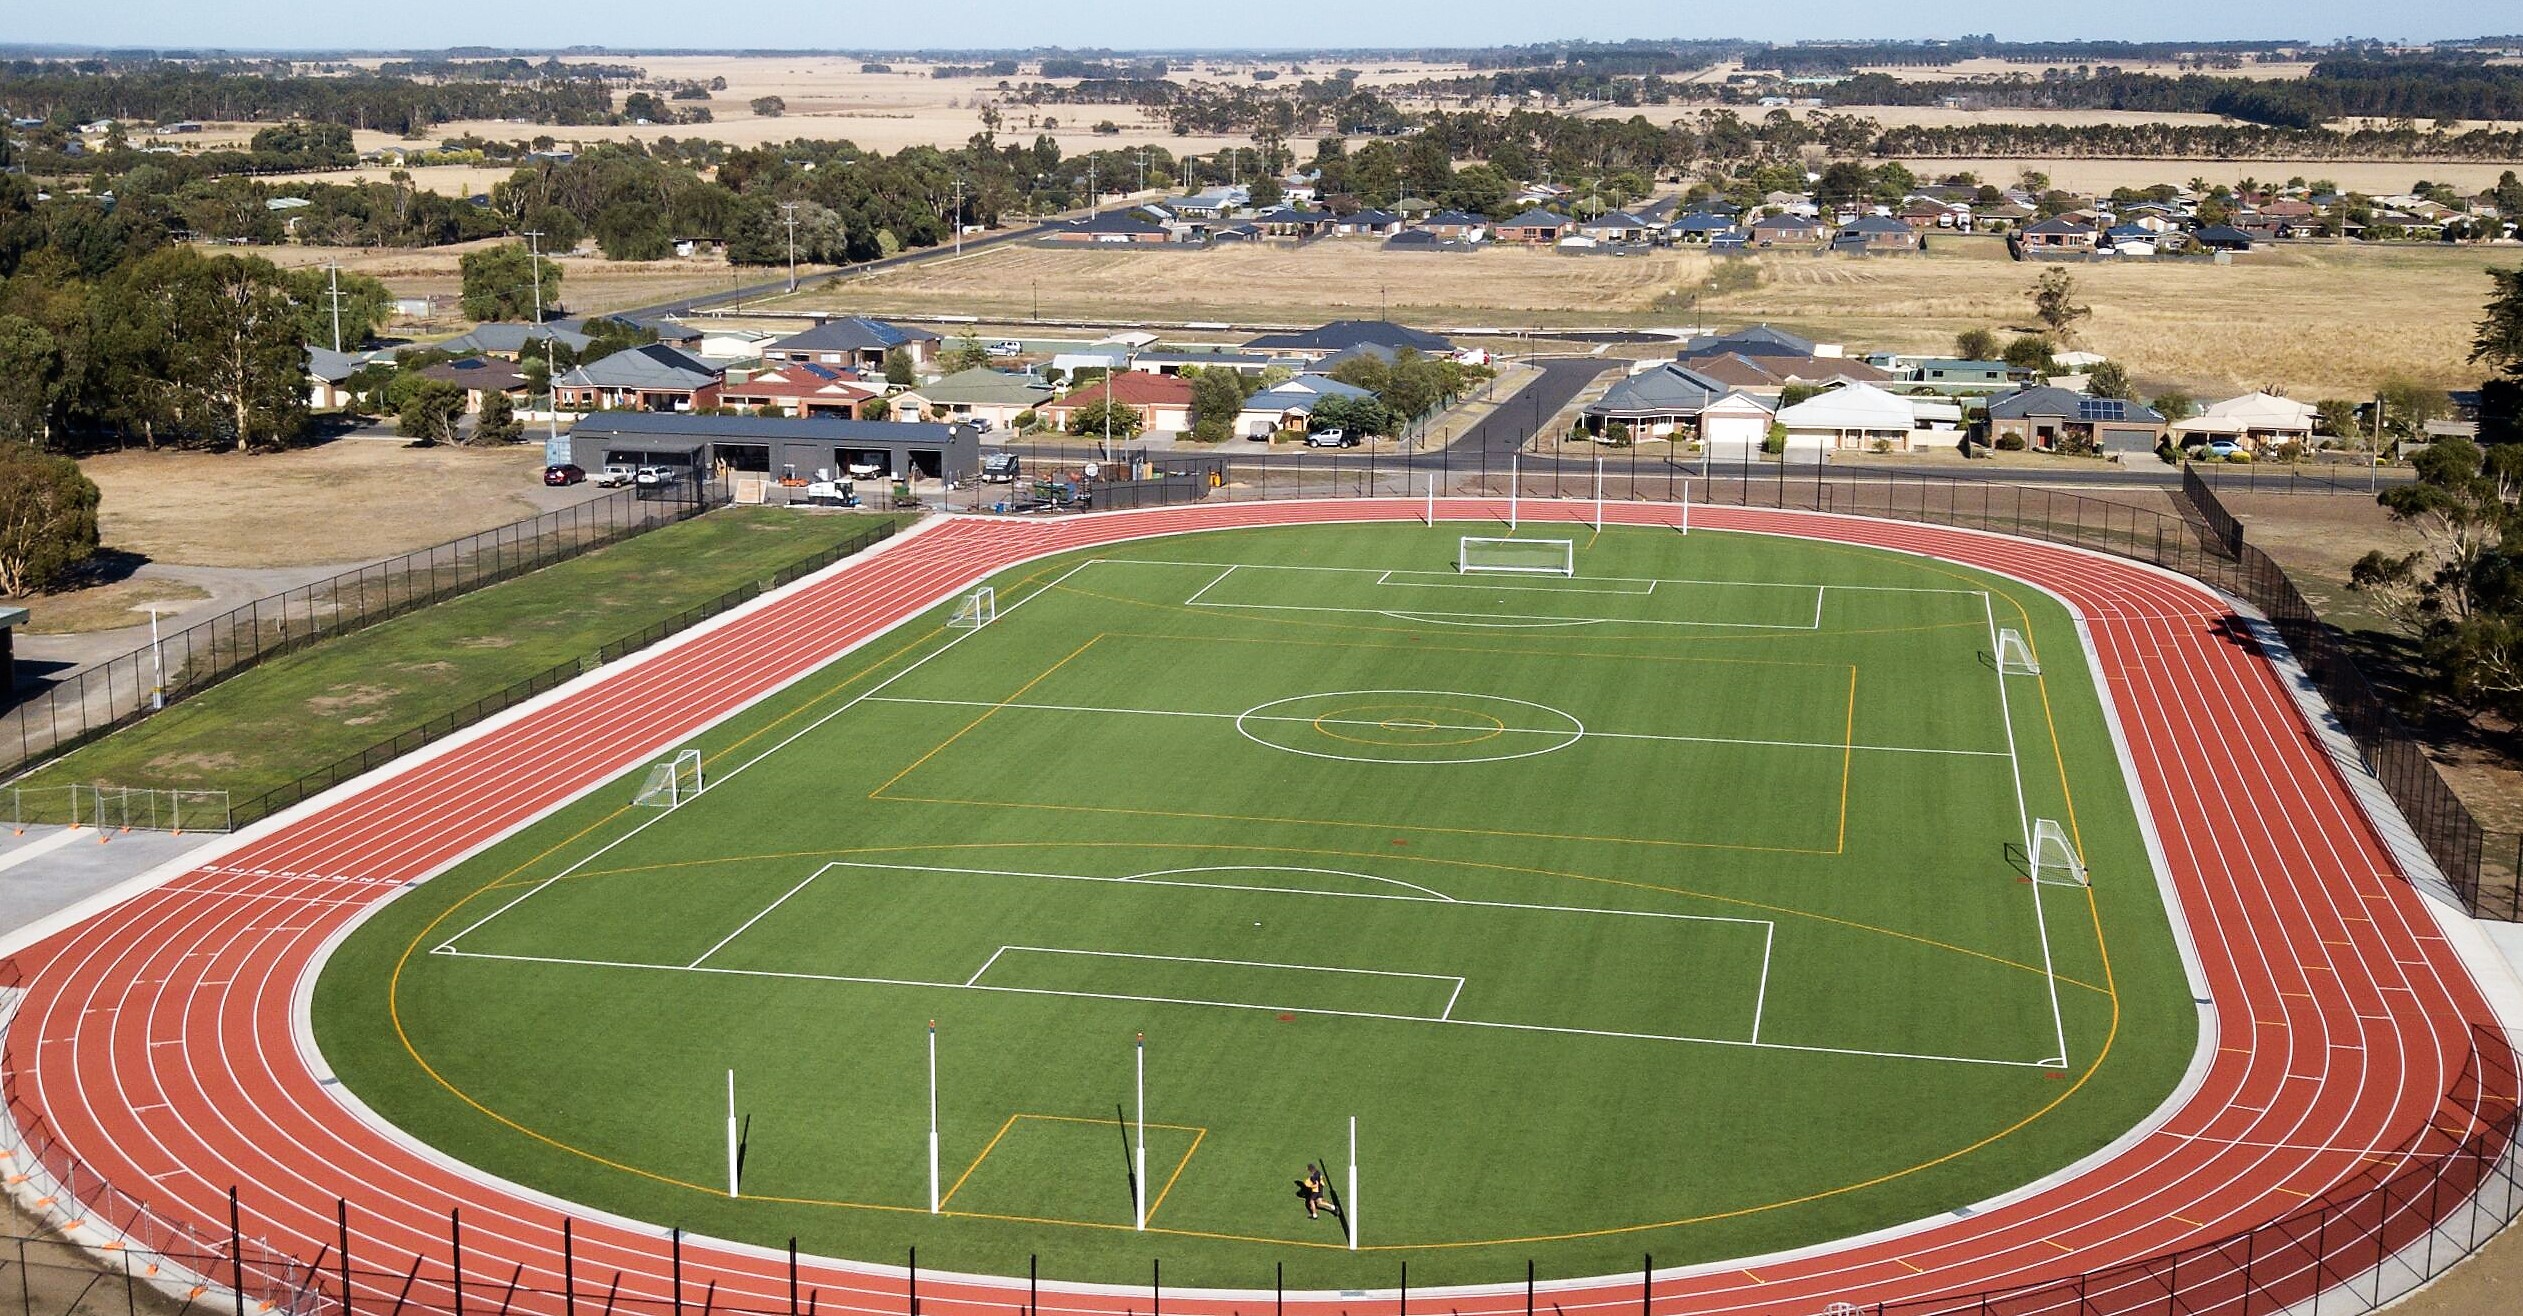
x: 713, y: 300
x: 1512, y: 425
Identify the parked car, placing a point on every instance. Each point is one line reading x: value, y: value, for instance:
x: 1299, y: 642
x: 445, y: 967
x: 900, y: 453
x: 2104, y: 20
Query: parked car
x: 656, y: 475
x: 563, y: 474
x: 998, y: 468
x: 1006, y: 347
x: 2226, y: 450
x: 1335, y: 437
x: 616, y: 474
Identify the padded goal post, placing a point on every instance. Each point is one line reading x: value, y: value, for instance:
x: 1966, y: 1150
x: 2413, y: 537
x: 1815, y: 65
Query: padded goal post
x: 2014, y: 657
x: 672, y: 782
x: 1526, y: 557
x: 979, y: 608
x: 2054, y: 860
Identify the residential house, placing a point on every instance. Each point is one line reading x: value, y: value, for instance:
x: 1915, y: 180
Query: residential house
x: 328, y: 376
x: 1173, y: 363
x: 1733, y: 427
x: 1367, y: 224
x: 2224, y: 237
x: 1290, y: 406
x: 853, y: 343
x: 1162, y: 401
x: 1961, y: 378
x: 2254, y: 422
x: 1787, y: 230
x: 653, y: 377
x: 1875, y: 233
x: 1860, y: 417
x: 1535, y: 227
x: 1215, y: 203
x: 1698, y: 226
x: 801, y: 388
x: 1454, y: 225
x: 479, y: 377
x: 731, y: 346
x: 512, y: 340
x: 2048, y: 419
x: 1658, y: 401
x: 1618, y: 226
x: 1291, y: 222
x: 1111, y: 226
x: 993, y: 399
x: 1924, y: 214
x: 1420, y: 239
x: 2059, y: 233
x: 2000, y: 217
x: 1338, y: 336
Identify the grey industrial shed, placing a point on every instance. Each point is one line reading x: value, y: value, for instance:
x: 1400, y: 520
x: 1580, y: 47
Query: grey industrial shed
x: 780, y: 446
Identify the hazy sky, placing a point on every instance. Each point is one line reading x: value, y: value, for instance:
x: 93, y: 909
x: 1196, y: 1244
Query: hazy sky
x: 1144, y: 24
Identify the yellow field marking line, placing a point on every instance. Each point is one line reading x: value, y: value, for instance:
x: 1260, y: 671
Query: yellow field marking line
x: 991, y: 712
x: 986, y: 1149
x: 1178, y: 1171
x: 1197, y: 1132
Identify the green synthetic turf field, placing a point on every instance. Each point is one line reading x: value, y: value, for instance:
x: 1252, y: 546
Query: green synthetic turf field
x: 1678, y: 907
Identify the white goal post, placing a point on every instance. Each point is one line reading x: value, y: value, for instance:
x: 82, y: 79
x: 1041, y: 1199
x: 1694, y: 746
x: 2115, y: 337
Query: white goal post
x: 2055, y: 861
x: 672, y: 782
x: 1526, y: 557
x: 979, y: 608
x: 2014, y: 657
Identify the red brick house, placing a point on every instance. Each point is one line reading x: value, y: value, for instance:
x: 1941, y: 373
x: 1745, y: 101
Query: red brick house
x: 1162, y: 401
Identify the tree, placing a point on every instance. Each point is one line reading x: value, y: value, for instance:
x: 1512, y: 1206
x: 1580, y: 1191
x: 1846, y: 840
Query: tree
x: 430, y: 412
x: 2175, y: 404
x: 499, y: 283
x: 1217, y: 398
x: 2054, y: 303
x: 30, y: 376
x: 2109, y: 379
x: 1361, y: 416
x: 2461, y: 591
x: 233, y: 355
x: 498, y: 422
x: 900, y: 371
x: 966, y: 354
x: 1975, y: 345
x: 366, y: 304
x: 769, y: 107
x: 2028, y: 352
x: 1093, y: 419
x: 2338, y: 418
x: 2408, y: 405
x: 2498, y: 343
x: 633, y: 230
x: 47, y: 519
x: 556, y: 228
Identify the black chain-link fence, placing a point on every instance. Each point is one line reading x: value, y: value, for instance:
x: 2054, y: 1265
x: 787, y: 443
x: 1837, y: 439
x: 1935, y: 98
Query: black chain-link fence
x: 103, y: 696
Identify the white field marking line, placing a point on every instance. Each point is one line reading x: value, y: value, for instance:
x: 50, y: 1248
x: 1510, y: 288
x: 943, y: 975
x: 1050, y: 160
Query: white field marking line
x: 1447, y: 1015
x: 1667, y: 580
x: 1558, y: 1030
x: 1769, y: 939
x: 1515, y: 618
x: 1195, y: 594
x: 2023, y: 823
x: 1143, y: 880
x: 1456, y: 582
x: 758, y: 917
x: 1588, y: 734
x: 769, y: 750
x: 1282, y: 868
x: 1440, y: 1017
x: 1817, y: 605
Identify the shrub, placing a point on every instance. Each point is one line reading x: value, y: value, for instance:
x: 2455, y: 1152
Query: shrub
x: 1775, y: 442
x: 47, y: 519
x: 2010, y: 443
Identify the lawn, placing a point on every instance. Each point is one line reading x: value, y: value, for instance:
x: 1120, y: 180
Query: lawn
x: 284, y: 719
x: 1676, y: 906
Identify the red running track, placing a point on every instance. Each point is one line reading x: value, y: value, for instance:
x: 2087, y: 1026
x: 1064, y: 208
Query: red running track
x: 156, y: 1038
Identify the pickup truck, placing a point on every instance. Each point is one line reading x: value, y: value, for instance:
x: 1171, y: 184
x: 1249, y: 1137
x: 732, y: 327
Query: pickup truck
x: 616, y: 474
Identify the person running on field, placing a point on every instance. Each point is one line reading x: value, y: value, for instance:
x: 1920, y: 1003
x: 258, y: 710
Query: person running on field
x: 1312, y: 1188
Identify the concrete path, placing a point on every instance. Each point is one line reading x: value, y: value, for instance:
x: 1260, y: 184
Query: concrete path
x: 49, y: 869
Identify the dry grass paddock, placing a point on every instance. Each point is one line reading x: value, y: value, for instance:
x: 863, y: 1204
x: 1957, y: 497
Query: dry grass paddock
x: 2318, y: 320
x: 589, y: 282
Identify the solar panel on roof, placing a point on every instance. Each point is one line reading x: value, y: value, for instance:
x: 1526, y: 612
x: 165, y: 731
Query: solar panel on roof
x: 2102, y: 409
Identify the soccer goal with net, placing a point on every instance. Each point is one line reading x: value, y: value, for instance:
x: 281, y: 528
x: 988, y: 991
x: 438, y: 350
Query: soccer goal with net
x: 2014, y: 657
x: 672, y: 782
x: 979, y: 608
x: 2055, y: 861
x: 1526, y: 557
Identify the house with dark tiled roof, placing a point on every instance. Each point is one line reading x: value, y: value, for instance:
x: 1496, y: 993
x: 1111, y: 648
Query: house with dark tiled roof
x: 2059, y: 233
x: 2049, y: 419
x: 1454, y: 224
x: 1875, y: 233
x: 1342, y: 335
x: 1111, y: 226
x: 1367, y: 224
x: 479, y: 377
x: 510, y: 340
x: 1291, y: 222
x: 652, y: 377
x: 1535, y: 227
x: 852, y: 342
x: 1617, y: 226
x: 1787, y: 231
x: 1698, y: 226
x: 1656, y: 401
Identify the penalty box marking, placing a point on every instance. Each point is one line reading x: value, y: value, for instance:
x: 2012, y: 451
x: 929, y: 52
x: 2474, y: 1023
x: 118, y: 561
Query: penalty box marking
x: 1769, y: 937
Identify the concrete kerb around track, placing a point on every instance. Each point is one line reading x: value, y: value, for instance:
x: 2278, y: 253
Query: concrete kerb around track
x: 2202, y: 1055
x: 33, y: 1186
x: 1367, y: 510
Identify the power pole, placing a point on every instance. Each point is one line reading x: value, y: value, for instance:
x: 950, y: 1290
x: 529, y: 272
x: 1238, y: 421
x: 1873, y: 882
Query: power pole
x: 1143, y: 169
x: 788, y: 211
x: 959, y: 217
x: 333, y: 294
x: 534, y: 261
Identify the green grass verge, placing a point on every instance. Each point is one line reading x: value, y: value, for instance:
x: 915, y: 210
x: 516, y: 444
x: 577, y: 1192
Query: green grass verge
x: 267, y: 727
x: 1332, y: 841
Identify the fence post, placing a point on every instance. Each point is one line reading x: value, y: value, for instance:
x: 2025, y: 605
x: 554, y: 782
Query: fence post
x: 236, y: 1254
x: 341, y: 1216
x: 911, y: 1292
x: 792, y: 1275
x: 675, y: 1242
x: 455, y: 1255
x: 1528, y: 1286
x: 569, y: 1269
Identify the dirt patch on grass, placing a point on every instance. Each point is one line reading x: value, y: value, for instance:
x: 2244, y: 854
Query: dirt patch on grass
x: 351, y: 500
x: 102, y: 607
x: 196, y: 764
x: 351, y: 697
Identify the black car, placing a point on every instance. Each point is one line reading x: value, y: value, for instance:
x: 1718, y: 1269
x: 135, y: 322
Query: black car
x: 563, y: 474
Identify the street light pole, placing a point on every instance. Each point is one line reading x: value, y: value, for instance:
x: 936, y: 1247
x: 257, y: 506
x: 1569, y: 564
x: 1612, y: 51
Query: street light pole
x: 788, y: 212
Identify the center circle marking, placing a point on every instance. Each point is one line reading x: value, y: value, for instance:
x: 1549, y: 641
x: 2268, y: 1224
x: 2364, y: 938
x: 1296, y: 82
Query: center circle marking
x: 1410, y: 726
